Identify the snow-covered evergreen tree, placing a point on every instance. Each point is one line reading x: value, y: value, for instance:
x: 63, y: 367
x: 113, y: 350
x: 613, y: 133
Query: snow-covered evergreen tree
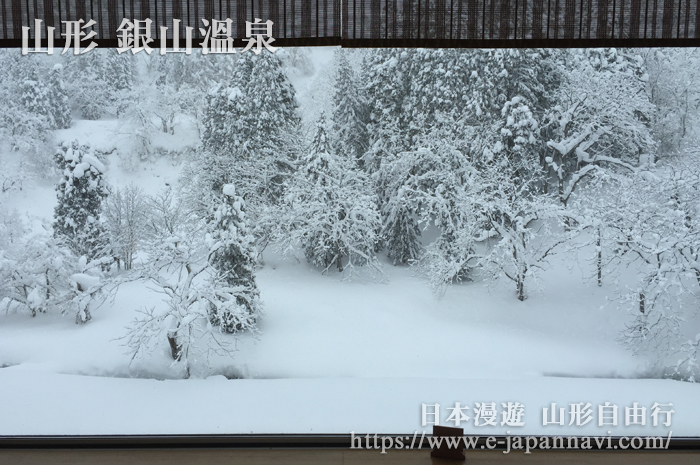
x: 58, y: 104
x: 350, y: 115
x: 438, y: 99
x: 80, y: 193
x: 509, y: 93
x: 233, y: 256
x: 87, y: 83
x: 250, y: 139
x: 119, y: 79
x: 329, y: 210
x: 388, y: 86
x: 33, y: 94
x: 387, y: 76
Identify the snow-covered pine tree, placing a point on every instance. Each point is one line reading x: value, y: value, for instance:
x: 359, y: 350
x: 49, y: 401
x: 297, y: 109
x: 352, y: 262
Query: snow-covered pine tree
x: 224, y: 119
x: 329, y: 210
x: 58, y: 104
x: 273, y: 126
x: 25, y: 132
x: 218, y: 163
x: 33, y: 94
x: 25, y: 120
x: 509, y: 93
x: 80, y: 193
x: 387, y: 74
x: 119, y: 78
x: 350, y: 115
x: 233, y: 256
x: 437, y: 98
x: 250, y: 138
x: 87, y: 83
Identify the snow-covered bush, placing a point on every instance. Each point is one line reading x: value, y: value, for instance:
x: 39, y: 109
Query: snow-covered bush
x: 43, y: 276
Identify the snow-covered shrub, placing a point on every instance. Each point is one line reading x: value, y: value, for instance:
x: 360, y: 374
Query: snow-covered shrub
x: 43, y: 276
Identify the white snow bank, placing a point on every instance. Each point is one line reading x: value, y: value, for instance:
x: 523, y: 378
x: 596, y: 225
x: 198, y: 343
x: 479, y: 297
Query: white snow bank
x: 82, y: 405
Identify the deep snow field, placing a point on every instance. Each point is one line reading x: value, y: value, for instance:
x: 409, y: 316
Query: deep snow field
x: 333, y: 356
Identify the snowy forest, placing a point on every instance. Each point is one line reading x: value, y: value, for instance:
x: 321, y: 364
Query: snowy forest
x: 171, y: 216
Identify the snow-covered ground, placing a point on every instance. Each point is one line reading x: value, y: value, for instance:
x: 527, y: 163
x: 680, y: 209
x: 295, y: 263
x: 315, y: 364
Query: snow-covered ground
x: 333, y: 356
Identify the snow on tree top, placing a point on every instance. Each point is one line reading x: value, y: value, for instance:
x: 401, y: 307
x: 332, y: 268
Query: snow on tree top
x: 230, y: 190
x: 94, y: 162
x: 234, y: 93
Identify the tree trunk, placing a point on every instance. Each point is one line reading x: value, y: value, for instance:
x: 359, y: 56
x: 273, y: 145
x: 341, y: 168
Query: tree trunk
x: 48, y: 283
x: 175, y: 348
x: 339, y: 262
x: 521, y: 288
x: 599, y: 260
